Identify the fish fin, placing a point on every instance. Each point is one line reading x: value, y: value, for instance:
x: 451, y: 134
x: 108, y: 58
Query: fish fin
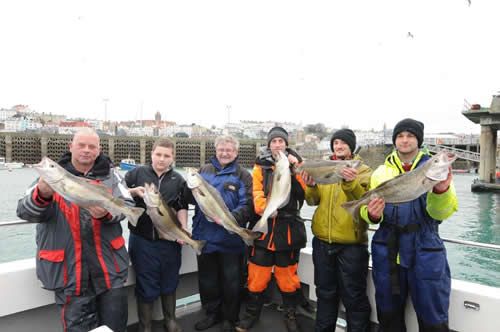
x: 353, y: 208
x: 250, y: 236
x: 134, y: 214
x: 199, y: 245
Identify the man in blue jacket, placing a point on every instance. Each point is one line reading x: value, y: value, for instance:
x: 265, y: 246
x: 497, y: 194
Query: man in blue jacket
x: 221, y: 262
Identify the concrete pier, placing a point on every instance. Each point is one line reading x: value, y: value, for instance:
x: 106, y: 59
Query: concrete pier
x: 489, y: 119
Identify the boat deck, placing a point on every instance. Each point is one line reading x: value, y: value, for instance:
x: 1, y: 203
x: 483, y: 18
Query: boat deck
x: 270, y: 320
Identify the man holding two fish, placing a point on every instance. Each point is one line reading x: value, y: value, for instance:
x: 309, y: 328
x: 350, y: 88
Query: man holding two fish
x: 155, y: 255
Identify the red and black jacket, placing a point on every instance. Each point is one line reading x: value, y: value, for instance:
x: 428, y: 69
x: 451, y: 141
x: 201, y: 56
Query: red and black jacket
x: 73, y: 248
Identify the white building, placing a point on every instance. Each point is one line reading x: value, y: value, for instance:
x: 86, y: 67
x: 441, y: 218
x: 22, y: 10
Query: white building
x: 6, y: 114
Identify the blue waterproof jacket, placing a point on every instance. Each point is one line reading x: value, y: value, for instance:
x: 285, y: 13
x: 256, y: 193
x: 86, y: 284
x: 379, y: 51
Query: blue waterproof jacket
x: 235, y: 186
x: 408, y: 236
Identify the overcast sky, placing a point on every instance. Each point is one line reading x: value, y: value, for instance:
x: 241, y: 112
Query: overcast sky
x: 355, y: 63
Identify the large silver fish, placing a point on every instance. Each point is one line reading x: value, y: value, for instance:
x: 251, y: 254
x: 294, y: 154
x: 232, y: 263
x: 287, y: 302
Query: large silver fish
x: 83, y: 192
x: 214, y: 208
x: 407, y: 186
x: 279, y: 195
x: 326, y: 171
x: 165, y: 220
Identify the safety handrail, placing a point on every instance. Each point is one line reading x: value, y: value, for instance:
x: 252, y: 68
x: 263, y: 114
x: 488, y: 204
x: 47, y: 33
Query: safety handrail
x: 464, y: 242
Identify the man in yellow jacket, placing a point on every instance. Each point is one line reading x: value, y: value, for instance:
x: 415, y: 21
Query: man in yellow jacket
x: 407, y: 253
x: 340, y: 246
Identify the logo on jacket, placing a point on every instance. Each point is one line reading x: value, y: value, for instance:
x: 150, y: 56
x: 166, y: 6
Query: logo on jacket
x: 231, y: 187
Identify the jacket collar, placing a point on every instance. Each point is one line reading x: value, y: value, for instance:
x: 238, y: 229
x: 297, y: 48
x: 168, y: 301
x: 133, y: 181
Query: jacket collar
x: 393, y: 160
x: 231, y: 167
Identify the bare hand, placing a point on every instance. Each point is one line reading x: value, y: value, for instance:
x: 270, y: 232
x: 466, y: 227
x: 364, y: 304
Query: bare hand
x: 375, y: 209
x: 137, y: 191
x: 443, y: 185
x: 292, y: 160
x: 97, y: 212
x: 44, y: 189
x: 308, y: 180
x: 349, y: 174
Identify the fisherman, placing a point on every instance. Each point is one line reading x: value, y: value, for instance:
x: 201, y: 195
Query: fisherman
x: 156, y: 261
x: 340, y: 246
x: 81, y: 253
x: 220, y: 264
x: 280, y: 246
x: 408, y: 254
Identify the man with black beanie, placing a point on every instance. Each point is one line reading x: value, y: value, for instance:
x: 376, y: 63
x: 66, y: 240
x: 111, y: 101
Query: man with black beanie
x: 346, y: 135
x: 280, y: 246
x: 412, y: 126
x: 407, y: 253
x: 340, y: 245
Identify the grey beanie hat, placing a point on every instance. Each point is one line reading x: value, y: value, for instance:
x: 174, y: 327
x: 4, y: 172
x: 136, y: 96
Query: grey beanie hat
x: 413, y: 126
x: 277, y: 132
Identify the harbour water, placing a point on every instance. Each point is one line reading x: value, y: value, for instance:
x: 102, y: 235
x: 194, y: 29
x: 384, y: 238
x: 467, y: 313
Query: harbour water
x: 478, y: 219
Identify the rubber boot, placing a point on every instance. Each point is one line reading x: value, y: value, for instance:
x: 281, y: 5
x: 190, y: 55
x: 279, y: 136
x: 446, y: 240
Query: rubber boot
x: 291, y: 319
x: 252, y: 312
x: 168, y: 304
x: 145, y: 315
x: 290, y: 301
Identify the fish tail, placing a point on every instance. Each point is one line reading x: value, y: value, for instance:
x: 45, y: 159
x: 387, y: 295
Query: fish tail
x: 249, y: 236
x: 353, y: 208
x: 198, y: 247
x: 261, y: 225
x: 134, y: 214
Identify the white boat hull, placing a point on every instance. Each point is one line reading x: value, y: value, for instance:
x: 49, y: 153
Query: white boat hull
x: 31, y: 308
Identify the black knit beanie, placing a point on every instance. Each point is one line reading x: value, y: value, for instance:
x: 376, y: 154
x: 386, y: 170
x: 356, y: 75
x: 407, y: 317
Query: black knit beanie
x: 347, y: 135
x: 413, y: 126
x: 277, y: 132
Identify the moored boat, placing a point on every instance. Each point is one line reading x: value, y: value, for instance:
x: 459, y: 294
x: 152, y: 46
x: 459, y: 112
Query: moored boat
x: 127, y: 164
x: 11, y: 165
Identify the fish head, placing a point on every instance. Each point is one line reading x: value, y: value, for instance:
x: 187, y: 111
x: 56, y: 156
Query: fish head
x: 50, y: 171
x: 151, y: 195
x: 193, y: 178
x: 438, y: 166
x: 281, y: 161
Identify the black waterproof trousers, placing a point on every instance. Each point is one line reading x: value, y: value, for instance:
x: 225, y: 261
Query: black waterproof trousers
x: 89, y: 311
x: 220, y: 280
x: 340, y: 272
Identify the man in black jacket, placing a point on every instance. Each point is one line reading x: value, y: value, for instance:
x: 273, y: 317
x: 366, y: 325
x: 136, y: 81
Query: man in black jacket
x: 156, y: 261
x: 81, y: 253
